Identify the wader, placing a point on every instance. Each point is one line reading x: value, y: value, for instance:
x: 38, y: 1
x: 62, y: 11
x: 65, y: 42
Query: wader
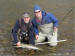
x: 46, y: 31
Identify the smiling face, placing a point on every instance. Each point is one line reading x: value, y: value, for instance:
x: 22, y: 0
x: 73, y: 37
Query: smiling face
x: 26, y: 19
x: 38, y: 15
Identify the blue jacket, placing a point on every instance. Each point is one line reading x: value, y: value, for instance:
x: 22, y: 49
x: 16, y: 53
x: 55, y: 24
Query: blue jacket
x: 17, y: 27
x: 46, y: 18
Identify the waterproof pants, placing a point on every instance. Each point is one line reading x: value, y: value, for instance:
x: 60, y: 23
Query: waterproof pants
x: 46, y: 31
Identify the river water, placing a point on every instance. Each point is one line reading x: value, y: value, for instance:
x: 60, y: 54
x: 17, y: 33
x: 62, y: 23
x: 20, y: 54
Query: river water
x: 10, y: 10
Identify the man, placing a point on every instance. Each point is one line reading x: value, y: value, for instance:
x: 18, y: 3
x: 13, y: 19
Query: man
x: 45, y: 26
x: 26, y: 30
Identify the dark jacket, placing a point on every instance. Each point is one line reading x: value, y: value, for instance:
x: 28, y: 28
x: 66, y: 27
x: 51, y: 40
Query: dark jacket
x: 20, y: 24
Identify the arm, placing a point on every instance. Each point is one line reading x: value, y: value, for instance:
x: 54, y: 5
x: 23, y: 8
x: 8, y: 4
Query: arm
x: 35, y: 28
x: 55, y: 22
x: 15, y: 30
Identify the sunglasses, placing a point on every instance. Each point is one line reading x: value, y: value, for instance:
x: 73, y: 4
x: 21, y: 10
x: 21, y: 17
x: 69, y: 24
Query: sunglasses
x: 37, y: 12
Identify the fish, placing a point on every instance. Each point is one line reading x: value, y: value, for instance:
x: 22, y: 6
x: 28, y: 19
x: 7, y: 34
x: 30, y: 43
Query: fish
x: 50, y: 42
x: 27, y: 46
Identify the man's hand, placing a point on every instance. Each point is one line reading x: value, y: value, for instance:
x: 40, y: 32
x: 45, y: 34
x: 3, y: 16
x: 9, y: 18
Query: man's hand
x: 18, y: 44
x: 36, y: 36
x: 55, y: 29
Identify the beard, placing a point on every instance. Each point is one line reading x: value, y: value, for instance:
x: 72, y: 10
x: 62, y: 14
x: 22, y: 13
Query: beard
x: 26, y: 21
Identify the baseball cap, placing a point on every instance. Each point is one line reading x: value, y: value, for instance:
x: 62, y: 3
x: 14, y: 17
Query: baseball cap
x: 37, y: 8
x: 25, y: 15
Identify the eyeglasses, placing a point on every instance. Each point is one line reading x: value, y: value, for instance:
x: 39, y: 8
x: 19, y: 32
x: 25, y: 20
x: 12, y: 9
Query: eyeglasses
x: 37, y: 12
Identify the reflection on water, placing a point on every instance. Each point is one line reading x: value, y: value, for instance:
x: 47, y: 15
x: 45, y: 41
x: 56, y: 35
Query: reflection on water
x: 10, y: 10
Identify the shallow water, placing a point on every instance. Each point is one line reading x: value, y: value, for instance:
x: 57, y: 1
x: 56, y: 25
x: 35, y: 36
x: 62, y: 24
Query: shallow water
x: 10, y: 10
